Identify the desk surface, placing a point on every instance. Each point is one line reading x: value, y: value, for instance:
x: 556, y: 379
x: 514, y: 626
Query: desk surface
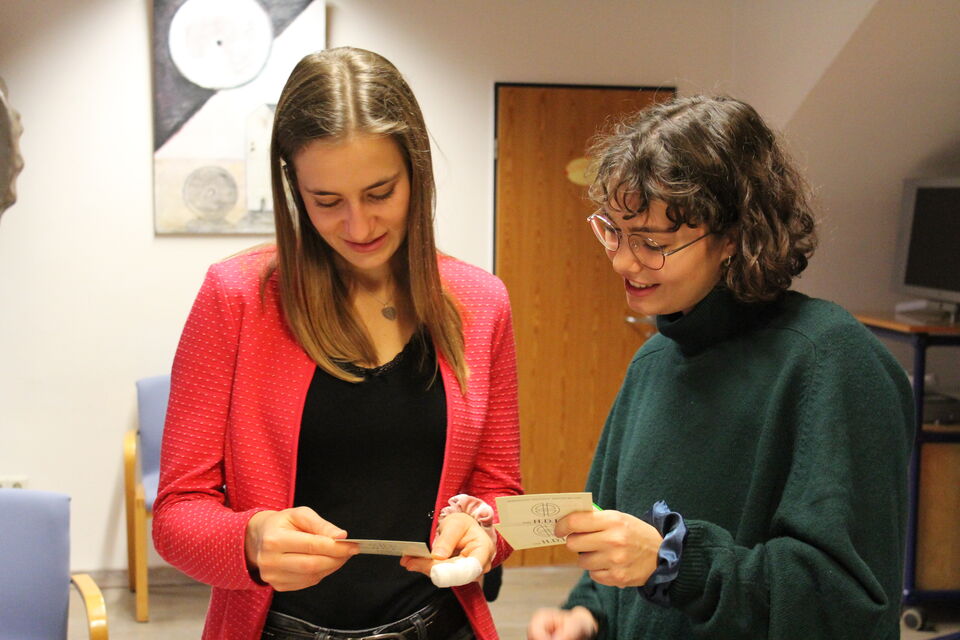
x: 903, y: 325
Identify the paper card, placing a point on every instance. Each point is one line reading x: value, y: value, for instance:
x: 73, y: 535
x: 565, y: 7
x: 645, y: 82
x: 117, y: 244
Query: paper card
x: 391, y: 547
x: 528, y: 521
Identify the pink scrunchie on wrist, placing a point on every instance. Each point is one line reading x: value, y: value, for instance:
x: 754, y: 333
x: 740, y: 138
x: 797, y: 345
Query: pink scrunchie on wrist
x: 475, y: 507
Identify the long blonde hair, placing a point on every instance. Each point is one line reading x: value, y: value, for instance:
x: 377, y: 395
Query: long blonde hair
x: 331, y: 95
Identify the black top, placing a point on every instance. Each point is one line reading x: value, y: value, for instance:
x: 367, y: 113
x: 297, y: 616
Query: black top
x: 369, y: 461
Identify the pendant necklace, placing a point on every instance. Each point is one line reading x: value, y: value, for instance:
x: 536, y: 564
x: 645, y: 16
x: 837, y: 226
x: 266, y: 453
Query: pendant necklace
x: 387, y: 310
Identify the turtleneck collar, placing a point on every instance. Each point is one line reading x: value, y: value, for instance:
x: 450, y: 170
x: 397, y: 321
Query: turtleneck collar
x: 714, y: 319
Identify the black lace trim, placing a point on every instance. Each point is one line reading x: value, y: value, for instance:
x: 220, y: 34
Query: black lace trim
x: 372, y: 372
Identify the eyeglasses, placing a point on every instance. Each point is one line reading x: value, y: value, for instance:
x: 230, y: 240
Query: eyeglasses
x: 647, y: 252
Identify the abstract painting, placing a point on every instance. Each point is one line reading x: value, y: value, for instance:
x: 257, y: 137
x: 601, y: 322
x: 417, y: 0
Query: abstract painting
x: 218, y: 69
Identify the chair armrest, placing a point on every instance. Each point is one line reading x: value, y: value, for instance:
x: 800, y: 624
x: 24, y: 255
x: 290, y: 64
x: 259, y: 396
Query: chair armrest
x: 93, y: 601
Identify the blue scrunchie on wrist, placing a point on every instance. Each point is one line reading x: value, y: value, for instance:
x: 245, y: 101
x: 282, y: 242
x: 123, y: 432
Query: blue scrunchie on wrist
x: 671, y: 527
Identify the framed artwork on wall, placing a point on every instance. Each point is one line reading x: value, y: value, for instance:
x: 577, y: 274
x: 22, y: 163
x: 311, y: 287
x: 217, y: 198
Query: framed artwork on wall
x: 218, y: 69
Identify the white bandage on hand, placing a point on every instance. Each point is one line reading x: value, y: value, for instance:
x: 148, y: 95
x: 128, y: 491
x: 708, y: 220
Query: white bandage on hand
x: 454, y: 573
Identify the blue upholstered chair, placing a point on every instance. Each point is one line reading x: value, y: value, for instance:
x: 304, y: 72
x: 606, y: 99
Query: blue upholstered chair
x: 35, y: 569
x: 141, y: 475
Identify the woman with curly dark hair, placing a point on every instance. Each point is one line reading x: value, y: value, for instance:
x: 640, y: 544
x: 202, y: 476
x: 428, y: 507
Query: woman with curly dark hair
x: 774, y: 425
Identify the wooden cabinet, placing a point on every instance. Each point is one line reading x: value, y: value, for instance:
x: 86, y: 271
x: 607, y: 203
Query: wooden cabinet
x: 932, y: 566
x: 938, y: 517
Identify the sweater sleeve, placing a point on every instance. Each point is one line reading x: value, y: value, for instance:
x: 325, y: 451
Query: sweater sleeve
x: 497, y: 469
x: 831, y: 564
x: 193, y: 527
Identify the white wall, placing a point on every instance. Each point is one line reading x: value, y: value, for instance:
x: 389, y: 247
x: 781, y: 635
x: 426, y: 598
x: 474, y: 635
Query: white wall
x: 781, y: 49
x: 868, y: 93
x: 884, y: 106
x: 92, y: 300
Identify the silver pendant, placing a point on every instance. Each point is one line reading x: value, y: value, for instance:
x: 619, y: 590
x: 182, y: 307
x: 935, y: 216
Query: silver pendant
x: 390, y: 312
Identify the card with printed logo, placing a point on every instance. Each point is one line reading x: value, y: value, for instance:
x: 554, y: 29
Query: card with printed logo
x: 528, y: 521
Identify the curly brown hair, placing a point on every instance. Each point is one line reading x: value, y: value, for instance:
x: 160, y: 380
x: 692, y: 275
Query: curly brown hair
x: 715, y: 163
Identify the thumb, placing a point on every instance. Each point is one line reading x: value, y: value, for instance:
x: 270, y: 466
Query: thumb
x: 307, y: 520
x: 451, y: 534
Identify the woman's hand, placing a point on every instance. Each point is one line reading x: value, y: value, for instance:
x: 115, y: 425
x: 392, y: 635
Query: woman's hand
x: 619, y: 550
x: 562, y: 624
x: 294, y: 548
x: 458, y: 534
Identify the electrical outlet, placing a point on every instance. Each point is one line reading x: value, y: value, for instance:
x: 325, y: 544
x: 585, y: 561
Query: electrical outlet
x: 13, y: 482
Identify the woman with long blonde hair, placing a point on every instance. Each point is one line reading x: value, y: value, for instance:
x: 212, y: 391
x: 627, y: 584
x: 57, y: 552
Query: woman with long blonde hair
x: 348, y: 382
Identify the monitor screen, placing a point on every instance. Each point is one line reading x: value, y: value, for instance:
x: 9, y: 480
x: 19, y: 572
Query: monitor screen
x: 930, y: 239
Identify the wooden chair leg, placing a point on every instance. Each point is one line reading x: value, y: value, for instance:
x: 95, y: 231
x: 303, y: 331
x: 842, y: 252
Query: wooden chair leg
x: 140, y: 557
x: 131, y: 547
x: 130, y: 502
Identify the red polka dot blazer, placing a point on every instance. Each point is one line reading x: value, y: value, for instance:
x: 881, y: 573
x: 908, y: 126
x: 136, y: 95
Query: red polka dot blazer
x: 229, y: 449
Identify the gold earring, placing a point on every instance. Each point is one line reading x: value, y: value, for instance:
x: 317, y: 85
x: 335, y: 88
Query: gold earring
x: 726, y: 263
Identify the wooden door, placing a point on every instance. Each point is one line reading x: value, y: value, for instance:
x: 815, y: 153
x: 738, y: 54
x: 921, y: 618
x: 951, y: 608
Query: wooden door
x: 574, y: 338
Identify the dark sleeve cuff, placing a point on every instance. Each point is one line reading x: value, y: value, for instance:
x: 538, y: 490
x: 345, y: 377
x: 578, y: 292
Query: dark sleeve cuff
x: 671, y: 526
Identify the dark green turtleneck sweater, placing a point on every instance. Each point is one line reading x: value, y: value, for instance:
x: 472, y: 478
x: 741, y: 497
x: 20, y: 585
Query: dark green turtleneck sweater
x: 781, y: 433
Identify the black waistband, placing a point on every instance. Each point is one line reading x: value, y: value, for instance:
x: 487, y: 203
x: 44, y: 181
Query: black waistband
x: 439, y: 620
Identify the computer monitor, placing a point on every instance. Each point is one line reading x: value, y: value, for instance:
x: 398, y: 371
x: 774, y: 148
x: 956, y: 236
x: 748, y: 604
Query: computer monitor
x: 928, y: 253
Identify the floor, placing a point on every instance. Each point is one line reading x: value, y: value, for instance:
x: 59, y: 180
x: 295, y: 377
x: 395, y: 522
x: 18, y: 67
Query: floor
x: 177, y: 605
